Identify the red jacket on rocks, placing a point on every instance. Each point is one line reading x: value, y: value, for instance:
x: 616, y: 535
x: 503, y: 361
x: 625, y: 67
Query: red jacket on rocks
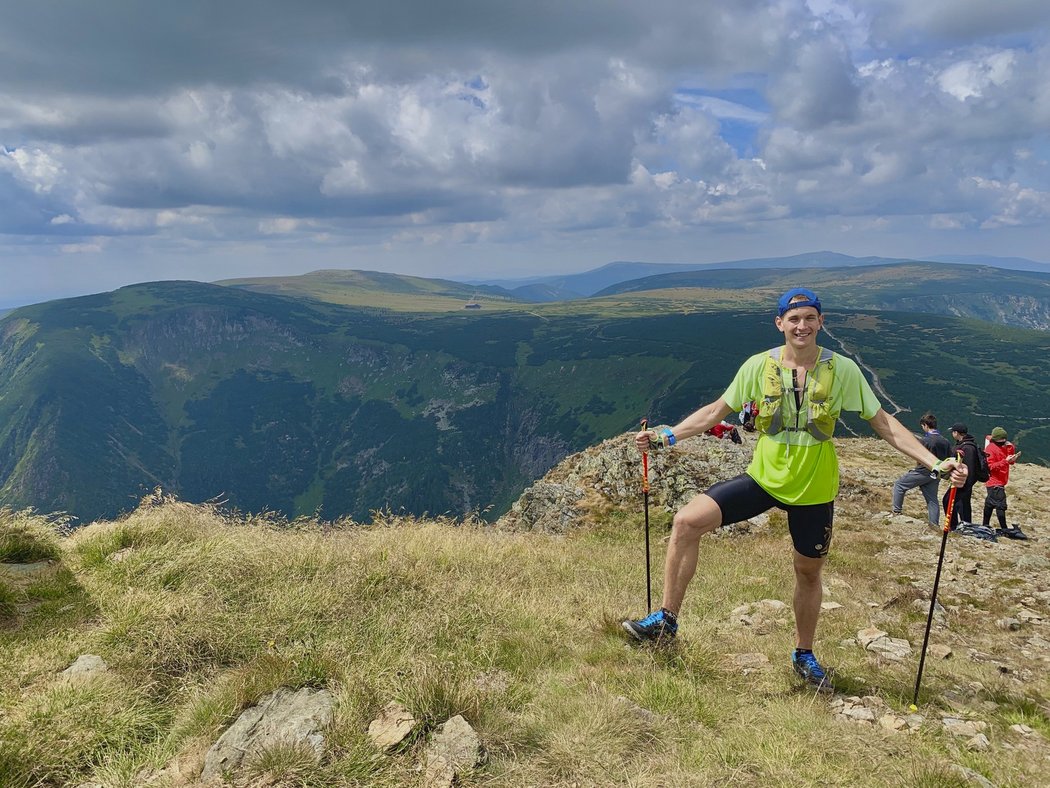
x: 998, y: 461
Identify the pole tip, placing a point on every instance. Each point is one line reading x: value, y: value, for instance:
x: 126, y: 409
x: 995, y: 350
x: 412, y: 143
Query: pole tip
x: 913, y: 708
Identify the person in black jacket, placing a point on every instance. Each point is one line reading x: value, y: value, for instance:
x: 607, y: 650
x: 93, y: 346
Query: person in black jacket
x: 920, y: 476
x: 964, y: 443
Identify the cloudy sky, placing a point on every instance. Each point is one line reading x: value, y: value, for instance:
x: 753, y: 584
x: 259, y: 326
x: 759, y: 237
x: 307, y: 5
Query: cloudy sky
x: 146, y: 140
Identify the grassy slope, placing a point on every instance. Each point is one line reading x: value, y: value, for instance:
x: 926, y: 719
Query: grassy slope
x: 380, y: 290
x: 204, y: 613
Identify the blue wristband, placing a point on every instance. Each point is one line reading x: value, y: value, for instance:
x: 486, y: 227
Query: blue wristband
x: 669, y: 437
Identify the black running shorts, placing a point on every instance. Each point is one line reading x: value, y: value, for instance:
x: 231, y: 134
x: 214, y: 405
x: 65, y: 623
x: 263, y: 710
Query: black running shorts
x: 996, y: 498
x: 810, y: 525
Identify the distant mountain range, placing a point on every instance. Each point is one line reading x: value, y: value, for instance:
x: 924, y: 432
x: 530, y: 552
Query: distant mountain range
x: 1018, y: 298
x: 588, y: 283
x: 356, y: 391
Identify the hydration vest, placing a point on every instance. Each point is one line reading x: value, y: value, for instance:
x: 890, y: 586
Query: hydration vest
x: 778, y: 411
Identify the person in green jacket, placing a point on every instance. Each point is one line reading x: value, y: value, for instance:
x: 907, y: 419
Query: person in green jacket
x: 800, y: 389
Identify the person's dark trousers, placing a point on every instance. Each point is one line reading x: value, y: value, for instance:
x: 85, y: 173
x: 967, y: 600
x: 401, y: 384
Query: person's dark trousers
x: 962, y: 511
x: 995, y: 500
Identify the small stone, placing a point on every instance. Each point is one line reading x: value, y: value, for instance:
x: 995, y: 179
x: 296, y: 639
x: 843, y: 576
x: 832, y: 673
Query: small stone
x: 1008, y: 624
x: 741, y: 612
x: 1039, y: 643
x: 894, y: 649
x: 978, y: 743
x: 453, y: 747
x: 891, y: 722
x: 391, y: 727
x: 1028, y: 616
x: 827, y: 606
x: 958, y: 727
x: 772, y: 605
x: 859, y: 714
x: 642, y: 713
x: 755, y: 661
x: 971, y: 776
x: 1024, y: 730
x: 86, y: 667
x: 940, y: 651
x: 869, y: 635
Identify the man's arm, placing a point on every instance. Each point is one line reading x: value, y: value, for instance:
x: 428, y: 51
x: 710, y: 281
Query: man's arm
x: 695, y: 423
x: 898, y: 436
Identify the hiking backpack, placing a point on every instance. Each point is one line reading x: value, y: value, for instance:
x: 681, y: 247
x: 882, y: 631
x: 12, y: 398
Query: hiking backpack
x: 983, y: 473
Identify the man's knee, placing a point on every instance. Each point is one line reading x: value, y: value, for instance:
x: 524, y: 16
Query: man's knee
x: 696, y: 518
x: 808, y: 570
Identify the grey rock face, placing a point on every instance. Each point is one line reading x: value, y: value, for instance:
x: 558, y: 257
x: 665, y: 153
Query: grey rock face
x: 295, y: 717
x: 612, y: 473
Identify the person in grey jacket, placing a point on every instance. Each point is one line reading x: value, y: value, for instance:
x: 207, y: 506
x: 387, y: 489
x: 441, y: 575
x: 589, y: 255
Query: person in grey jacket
x: 920, y: 475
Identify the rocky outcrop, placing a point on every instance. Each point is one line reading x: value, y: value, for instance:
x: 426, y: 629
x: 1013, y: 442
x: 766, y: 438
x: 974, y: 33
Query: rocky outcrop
x: 611, y: 473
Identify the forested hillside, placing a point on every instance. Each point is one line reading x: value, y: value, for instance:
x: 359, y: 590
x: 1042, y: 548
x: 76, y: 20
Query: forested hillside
x: 299, y: 406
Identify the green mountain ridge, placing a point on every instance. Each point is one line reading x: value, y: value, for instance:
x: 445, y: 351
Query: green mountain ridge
x: 298, y: 405
x: 1020, y: 298
x: 373, y: 288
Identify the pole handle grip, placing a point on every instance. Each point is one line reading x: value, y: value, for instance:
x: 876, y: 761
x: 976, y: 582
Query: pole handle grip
x: 951, y: 501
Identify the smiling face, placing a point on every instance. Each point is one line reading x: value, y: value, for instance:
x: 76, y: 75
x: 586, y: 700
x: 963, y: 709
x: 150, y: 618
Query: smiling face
x: 800, y: 326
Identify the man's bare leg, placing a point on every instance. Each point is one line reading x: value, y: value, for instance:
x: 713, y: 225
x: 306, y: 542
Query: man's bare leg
x: 698, y: 517
x: 809, y: 591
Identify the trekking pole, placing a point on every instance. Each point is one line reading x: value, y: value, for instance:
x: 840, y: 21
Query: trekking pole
x: 645, y: 497
x: 933, y: 597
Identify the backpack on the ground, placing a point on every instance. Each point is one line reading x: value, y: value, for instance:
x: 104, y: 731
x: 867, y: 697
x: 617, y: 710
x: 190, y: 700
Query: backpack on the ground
x: 983, y: 472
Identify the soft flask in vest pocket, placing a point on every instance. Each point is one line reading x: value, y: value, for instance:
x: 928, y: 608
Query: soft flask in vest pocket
x: 778, y: 411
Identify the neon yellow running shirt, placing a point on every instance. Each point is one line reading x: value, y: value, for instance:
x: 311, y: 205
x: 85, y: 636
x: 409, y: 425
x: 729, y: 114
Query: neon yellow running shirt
x: 794, y: 467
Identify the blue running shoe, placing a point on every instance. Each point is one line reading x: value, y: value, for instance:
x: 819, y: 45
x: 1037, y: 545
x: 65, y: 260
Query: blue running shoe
x: 661, y: 625
x: 807, y: 667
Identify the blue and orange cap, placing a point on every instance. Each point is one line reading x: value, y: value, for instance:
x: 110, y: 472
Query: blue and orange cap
x: 784, y: 302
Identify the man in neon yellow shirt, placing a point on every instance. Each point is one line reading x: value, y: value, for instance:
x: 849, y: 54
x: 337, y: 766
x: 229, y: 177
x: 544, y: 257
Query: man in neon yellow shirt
x: 800, y: 389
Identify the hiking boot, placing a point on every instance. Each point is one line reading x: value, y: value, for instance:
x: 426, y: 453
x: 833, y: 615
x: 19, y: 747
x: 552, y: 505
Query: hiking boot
x: 811, y: 672
x: 661, y: 625
x: 1013, y: 532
